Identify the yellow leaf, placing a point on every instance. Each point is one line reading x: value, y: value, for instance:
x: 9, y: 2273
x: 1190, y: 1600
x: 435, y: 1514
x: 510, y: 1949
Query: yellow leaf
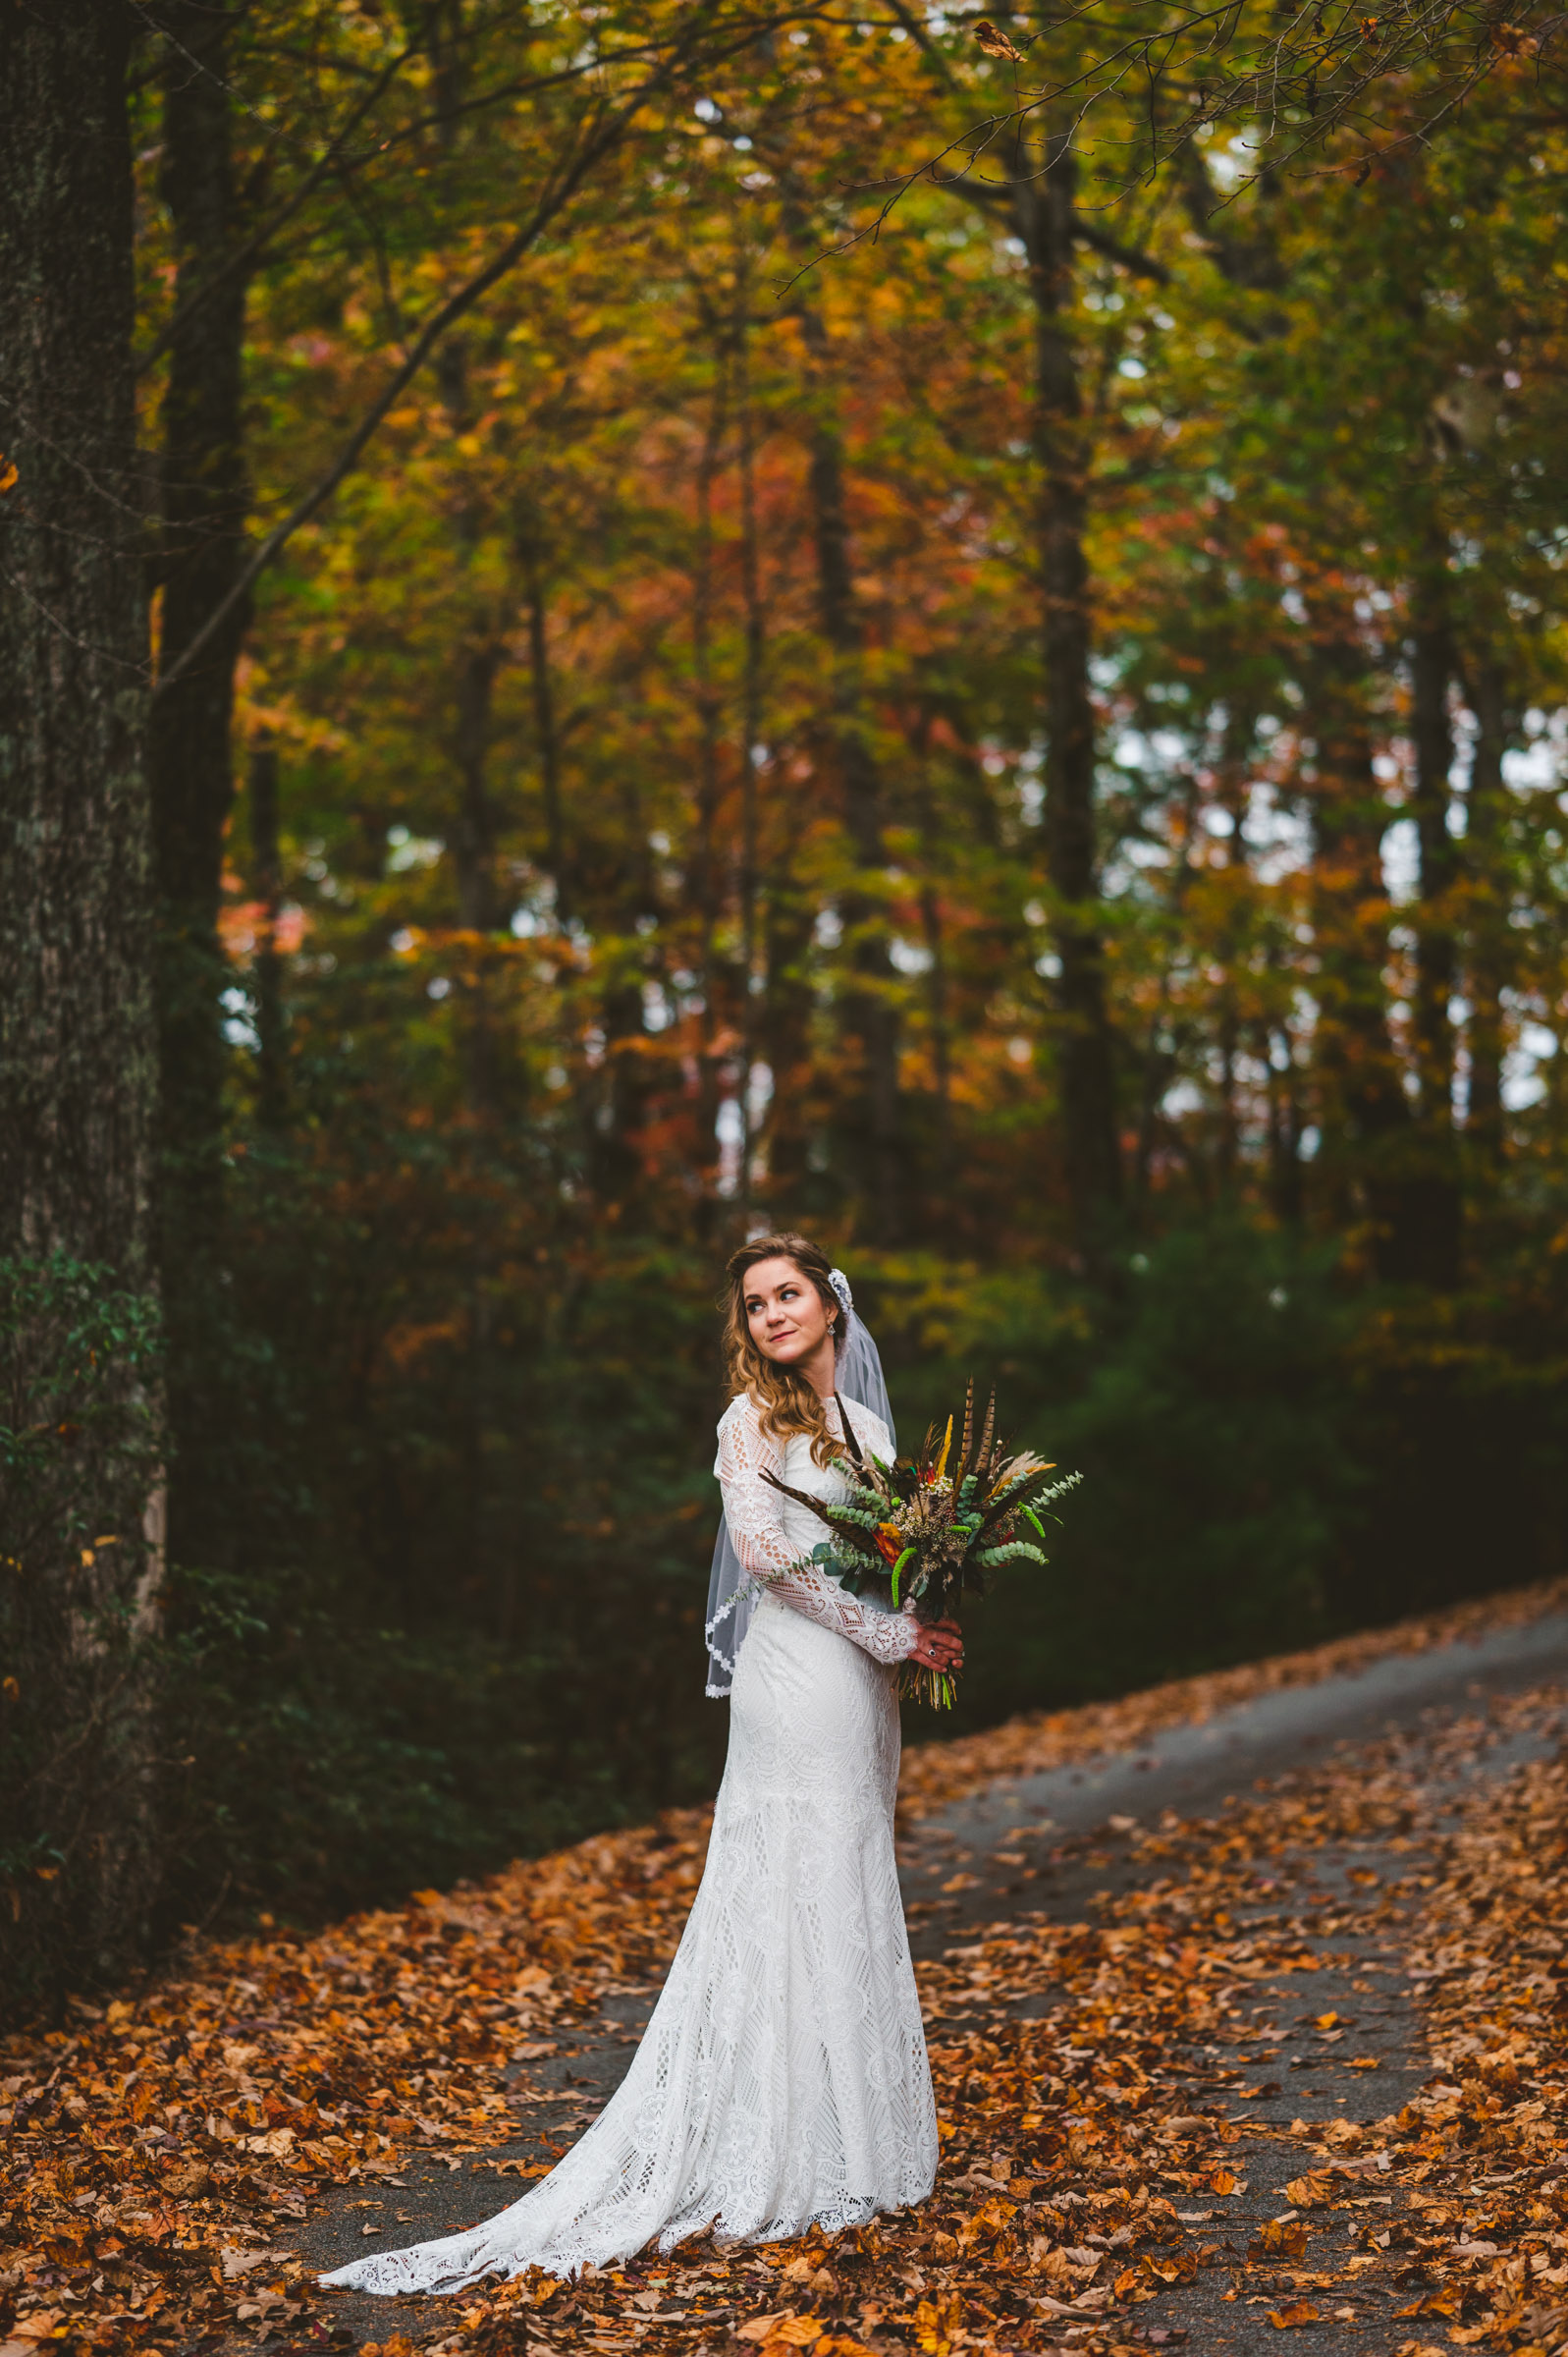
x: 8, y: 475
x: 1300, y: 2312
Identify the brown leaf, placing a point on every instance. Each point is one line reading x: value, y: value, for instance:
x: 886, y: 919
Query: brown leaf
x: 1299, y: 2312
x: 995, y: 43
x: 1283, y: 2236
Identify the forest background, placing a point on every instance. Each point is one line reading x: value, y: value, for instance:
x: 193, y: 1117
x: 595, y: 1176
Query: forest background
x: 705, y: 673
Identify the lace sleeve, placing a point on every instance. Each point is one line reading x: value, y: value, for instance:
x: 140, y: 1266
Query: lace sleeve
x: 756, y: 1526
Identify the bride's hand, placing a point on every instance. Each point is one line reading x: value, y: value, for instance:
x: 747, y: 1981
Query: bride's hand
x: 938, y: 1646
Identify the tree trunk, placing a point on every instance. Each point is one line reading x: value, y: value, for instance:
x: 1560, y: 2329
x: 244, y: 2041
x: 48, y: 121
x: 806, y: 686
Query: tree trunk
x: 1285, y: 1126
x: 546, y: 734
x: 1365, y: 1116
x: 754, y: 755
x: 1432, y: 1208
x: 266, y: 882
x: 188, y: 748
x: 79, y: 1519
x: 870, y: 1112
x: 705, y: 882
x: 1043, y: 208
x: 1489, y: 959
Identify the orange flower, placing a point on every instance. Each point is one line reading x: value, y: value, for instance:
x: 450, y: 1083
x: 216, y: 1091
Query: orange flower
x: 890, y: 1541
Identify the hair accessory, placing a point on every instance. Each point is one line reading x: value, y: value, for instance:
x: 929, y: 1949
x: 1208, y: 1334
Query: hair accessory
x: 840, y: 1285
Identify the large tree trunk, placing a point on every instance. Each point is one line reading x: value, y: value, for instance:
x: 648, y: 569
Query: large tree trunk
x: 1044, y: 206
x: 189, y: 749
x: 79, y: 1518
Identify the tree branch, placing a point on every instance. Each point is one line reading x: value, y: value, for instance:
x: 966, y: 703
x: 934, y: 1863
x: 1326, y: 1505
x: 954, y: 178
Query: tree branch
x: 599, y: 140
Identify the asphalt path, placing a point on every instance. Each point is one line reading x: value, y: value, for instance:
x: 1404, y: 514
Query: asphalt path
x: 1062, y: 1851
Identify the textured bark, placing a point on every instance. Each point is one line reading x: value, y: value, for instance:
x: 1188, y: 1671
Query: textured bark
x: 1044, y: 206
x: 188, y: 747
x: 77, y: 1041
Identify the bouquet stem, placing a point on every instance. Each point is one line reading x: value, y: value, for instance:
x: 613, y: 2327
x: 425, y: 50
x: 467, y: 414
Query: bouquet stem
x: 937, y: 1688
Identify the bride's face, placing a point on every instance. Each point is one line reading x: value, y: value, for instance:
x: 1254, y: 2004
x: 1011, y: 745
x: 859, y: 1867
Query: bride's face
x: 784, y: 1312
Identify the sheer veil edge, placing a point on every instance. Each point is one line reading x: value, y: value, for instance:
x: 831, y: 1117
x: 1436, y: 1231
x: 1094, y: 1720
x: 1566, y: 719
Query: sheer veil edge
x: 732, y: 1591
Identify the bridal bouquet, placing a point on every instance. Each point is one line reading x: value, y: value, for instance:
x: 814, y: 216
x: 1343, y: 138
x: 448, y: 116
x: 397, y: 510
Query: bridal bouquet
x: 933, y: 1524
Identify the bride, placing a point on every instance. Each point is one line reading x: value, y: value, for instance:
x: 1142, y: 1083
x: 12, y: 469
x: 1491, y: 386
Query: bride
x: 782, y: 2080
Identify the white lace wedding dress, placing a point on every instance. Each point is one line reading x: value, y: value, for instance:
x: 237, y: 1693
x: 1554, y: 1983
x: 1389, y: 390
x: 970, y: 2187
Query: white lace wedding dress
x: 783, y: 2077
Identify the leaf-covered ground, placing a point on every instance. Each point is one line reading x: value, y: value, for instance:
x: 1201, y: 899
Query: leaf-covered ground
x: 1299, y: 2066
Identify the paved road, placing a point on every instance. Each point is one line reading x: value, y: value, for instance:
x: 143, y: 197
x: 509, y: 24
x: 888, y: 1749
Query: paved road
x: 1190, y: 1771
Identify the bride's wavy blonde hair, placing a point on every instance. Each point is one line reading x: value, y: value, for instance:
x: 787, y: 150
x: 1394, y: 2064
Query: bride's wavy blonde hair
x: 788, y: 1402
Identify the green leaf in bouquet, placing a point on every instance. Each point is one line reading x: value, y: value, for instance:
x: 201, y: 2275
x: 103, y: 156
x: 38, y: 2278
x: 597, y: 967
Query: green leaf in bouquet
x: 830, y: 1515
x: 859, y: 1515
x: 1013, y: 1551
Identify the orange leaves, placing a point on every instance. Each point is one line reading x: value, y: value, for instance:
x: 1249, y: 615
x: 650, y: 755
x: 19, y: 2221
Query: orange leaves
x: 1436, y: 2303
x: 1179, y: 2269
x: 1280, y: 2237
x: 938, y: 2325
x: 1085, y: 2152
x: 786, y: 2335
x: 785, y: 2330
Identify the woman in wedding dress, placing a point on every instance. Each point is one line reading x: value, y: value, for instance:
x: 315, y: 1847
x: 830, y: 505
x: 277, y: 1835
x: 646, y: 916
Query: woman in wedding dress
x: 781, y: 2081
